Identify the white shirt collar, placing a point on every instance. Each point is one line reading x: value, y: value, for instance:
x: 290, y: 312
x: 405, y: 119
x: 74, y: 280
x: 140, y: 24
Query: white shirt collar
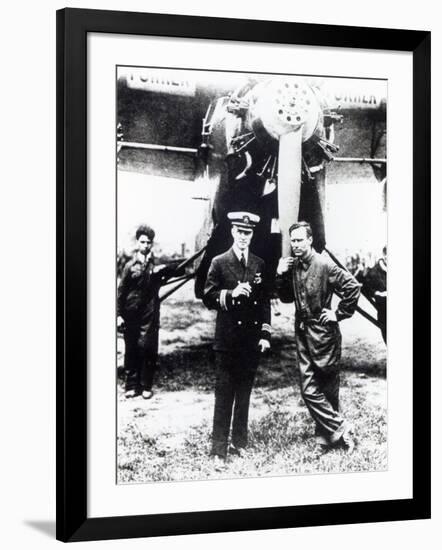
x: 142, y: 258
x: 239, y: 253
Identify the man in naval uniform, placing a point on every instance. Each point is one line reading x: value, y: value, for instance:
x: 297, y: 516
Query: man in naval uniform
x: 310, y: 279
x: 237, y: 289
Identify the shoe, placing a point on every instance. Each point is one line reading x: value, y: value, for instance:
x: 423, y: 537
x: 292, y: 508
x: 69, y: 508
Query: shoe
x: 321, y: 450
x: 321, y: 440
x: 129, y: 394
x: 218, y: 462
x: 237, y: 451
x: 347, y: 441
x: 322, y: 444
x: 147, y: 394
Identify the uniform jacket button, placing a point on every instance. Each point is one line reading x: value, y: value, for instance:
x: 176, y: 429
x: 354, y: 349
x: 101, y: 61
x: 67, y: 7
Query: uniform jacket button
x: 239, y: 322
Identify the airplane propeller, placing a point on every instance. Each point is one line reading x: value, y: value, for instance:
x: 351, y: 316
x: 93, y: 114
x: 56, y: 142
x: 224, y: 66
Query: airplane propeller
x: 289, y: 184
x: 289, y: 112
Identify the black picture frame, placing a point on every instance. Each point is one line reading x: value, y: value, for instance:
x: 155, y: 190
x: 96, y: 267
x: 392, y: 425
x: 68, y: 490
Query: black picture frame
x: 73, y: 25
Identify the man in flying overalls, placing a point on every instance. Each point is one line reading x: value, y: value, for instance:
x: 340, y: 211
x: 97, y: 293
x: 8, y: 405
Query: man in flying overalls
x: 309, y: 280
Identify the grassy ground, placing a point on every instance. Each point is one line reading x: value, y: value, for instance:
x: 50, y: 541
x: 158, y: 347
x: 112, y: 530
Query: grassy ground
x: 168, y: 437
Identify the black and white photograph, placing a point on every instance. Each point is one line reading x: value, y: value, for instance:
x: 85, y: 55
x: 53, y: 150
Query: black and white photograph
x: 199, y: 230
x: 251, y: 288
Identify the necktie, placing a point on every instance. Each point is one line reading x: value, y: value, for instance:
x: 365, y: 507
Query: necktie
x: 242, y: 261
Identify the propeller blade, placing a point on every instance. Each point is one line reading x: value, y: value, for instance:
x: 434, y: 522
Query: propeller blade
x: 312, y: 207
x: 289, y: 183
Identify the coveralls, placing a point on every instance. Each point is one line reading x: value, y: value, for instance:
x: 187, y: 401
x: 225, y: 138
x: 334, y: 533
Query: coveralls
x: 310, y: 284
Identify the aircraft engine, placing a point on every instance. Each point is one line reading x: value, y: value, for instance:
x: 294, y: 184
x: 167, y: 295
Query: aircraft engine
x: 271, y: 137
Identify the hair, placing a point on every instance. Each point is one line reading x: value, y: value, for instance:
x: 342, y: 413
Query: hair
x: 145, y: 230
x: 297, y: 225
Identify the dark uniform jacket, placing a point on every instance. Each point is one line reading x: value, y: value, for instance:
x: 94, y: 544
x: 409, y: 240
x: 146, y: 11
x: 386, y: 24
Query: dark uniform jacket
x: 138, y: 302
x: 241, y: 322
x: 311, y: 284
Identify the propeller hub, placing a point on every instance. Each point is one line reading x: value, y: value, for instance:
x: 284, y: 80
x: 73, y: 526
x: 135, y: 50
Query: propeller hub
x: 285, y: 105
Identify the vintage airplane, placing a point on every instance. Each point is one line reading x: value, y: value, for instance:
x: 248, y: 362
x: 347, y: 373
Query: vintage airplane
x: 265, y: 147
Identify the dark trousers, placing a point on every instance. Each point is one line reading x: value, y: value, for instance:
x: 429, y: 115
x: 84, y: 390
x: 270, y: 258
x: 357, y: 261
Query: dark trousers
x: 139, y: 363
x: 320, y: 391
x: 235, y: 374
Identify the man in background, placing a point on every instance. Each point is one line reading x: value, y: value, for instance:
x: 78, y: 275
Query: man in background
x: 375, y: 285
x: 138, y: 307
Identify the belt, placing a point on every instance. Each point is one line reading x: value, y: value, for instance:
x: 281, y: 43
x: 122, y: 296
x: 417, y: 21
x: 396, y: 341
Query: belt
x: 306, y: 321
